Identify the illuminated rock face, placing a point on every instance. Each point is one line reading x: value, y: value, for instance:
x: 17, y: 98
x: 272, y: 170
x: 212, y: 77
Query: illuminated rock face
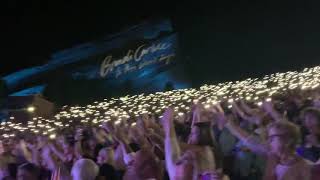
x: 143, y: 56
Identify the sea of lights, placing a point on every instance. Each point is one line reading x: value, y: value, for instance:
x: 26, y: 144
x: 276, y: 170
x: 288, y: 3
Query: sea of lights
x: 130, y: 107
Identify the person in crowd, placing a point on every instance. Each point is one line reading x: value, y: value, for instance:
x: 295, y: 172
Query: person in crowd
x: 189, y: 164
x: 311, y: 146
x: 241, y: 140
x: 248, y: 165
x: 282, y: 161
x: 142, y: 164
x: 118, y: 155
x: 65, y: 150
x: 106, y: 162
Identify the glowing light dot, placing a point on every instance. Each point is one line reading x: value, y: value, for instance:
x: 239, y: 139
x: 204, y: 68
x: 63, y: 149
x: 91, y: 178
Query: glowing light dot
x: 52, y: 136
x: 31, y: 109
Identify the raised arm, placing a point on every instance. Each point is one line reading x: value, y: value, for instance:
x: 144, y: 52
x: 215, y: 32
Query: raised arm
x: 242, y: 135
x: 196, y: 115
x: 156, y: 140
x: 57, y: 152
x: 35, y: 154
x: 50, y: 161
x: 247, y: 109
x: 230, y: 125
x: 268, y: 108
x: 124, y: 143
x: 253, y: 118
x: 126, y: 152
x: 240, y: 112
x: 27, y: 154
x: 172, y: 149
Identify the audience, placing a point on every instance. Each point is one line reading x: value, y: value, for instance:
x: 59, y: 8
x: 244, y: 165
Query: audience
x: 279, y: 139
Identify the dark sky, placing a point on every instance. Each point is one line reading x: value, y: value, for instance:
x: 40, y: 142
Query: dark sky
x: 221, y: 38
x: 34, y: 29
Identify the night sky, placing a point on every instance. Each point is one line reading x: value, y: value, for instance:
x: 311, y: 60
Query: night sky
x: 220, y: 40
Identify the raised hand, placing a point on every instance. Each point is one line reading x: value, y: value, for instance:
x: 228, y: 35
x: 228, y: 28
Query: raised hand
x: 108, y: 126
x: 233, y: 109
x: 219, y: 108
x: 196, y: 115
x: 141, y: 125
x: 167, y: 120
x: 220, y: 115
x: 267, y: 106
x: 146, y: 120
x: 119, y: 135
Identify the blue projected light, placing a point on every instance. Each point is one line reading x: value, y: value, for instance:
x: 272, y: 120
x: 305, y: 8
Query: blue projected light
x: 145, y: 55
x: 147, y: 30
x: 18, y: 77
x: 30, y: 91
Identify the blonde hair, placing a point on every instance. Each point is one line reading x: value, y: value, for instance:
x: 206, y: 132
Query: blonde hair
x: 84, y: 169
x: 291, y: 132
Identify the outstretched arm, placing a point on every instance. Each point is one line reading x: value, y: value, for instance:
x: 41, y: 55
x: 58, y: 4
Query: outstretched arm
x: 196, y: 115
x: 57, y: 152
x: 51, y: 162
x: 241, y: 134
x: 172, y: 149
x: 125, y: 150
x: 27, y: 154
x: 246, y: 108
x: 268, y: 108
x: 241, y: 113
x: 252, y: 118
